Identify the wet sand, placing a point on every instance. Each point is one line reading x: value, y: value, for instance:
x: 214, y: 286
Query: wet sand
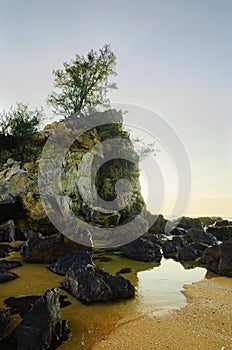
x: 204, y: 323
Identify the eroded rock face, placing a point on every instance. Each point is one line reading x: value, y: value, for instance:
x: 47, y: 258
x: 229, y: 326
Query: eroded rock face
x: 19, y: 192
x: 143, y: 250
x: 39, y: 249
x: 42, y: 327
x: 91, y: 284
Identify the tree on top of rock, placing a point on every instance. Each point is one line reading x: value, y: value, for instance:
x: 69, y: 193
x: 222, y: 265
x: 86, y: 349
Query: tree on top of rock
x: 84, y: 83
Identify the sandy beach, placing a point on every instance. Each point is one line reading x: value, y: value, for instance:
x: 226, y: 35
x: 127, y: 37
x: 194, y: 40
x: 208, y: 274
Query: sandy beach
x: 204, y: 323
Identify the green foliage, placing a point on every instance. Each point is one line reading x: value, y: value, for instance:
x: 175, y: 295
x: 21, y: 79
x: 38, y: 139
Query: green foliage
x: 20, y: 122
x: 84, y: 83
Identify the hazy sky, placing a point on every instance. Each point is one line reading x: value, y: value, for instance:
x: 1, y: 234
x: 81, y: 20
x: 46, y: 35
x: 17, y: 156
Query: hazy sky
x: 174, y: 58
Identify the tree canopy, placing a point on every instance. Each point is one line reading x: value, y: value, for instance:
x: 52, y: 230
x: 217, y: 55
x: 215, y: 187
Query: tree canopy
x: 83, y: 84
x: 20, y: 122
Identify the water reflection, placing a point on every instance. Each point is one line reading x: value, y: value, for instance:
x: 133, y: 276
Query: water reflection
x: 157, y: 286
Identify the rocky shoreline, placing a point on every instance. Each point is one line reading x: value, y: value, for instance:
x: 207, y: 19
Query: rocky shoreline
x: 26, y: 229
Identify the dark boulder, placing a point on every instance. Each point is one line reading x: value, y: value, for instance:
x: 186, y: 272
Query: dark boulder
x: 75, y: 260
x: 171, y: 247
x: 223, y: 223
x: 200, y: 247
x: 143, y: 250
x: 219, y: 258
x: 9, y: 264
x: 39, y: 249
x: 6, y: 275
x: 152, y: 237
x: 5, y: 249
x: 225, y: 262
x: 186, y: 223
x: 222, y: 233
x: 197, y: 235
x: 90, y: 284
x: 4, y: 320
x: 187, y: 253
x: 42, y: 327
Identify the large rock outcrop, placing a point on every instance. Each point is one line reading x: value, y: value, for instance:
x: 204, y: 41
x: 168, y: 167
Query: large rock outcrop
x: 19, y: 193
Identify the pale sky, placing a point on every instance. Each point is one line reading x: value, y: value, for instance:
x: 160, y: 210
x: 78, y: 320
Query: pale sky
x: 174, y: 58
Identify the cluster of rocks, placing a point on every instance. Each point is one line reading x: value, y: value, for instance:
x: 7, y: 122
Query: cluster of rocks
x: 190, y: 240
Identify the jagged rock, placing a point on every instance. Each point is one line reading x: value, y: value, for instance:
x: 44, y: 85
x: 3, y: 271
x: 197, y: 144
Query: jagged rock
x: 7, y: 231
x: 6, y: 275
x: 9, y: 264
x: 39, y: 249
x: 219, y: 258
x: 142, y: 249
x: 4, y: 320
x: 90, y: 284
x: 222, y: 233
x: 42, y: 327
x: 198, y: 235
x: 171, y: 247
x: 75, y: 260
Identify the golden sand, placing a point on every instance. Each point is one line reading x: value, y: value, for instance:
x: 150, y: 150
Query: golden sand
x: 204, y: 323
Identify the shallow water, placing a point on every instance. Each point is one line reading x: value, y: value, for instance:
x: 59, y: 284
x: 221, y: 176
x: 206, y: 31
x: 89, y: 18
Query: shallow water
x: 158, y: 288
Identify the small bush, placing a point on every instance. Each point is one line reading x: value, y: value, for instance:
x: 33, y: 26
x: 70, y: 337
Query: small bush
x: 20, y: 122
